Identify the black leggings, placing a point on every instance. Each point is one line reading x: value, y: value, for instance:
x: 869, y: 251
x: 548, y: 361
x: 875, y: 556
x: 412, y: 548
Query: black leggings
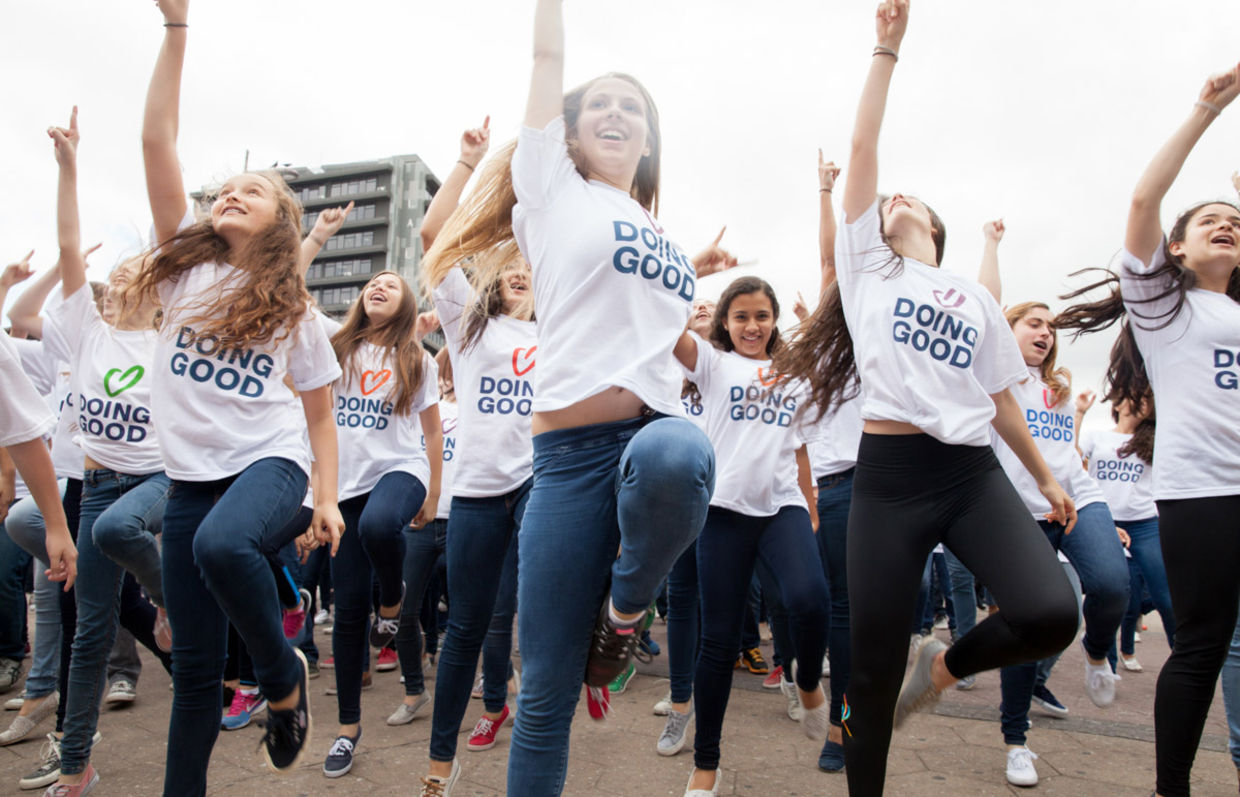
x: 1201, y: 551
x: 910, y: 493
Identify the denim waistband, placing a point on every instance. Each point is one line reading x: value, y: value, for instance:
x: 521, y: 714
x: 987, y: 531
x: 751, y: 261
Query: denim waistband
x: 577, y: 438
x: 832, y: 479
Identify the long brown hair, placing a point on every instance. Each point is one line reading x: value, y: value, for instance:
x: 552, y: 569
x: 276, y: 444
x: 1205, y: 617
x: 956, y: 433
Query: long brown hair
x: 267, y: 306
x: 1142, y: 441
x: 403, y: 352
x: 741, y: 286
x: 1059, y: 380
x: 821, y: 353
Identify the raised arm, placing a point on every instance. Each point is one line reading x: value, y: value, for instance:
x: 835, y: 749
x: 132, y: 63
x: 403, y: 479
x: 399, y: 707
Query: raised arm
x: 68, y: 228
x: 546, y: 98
x: 988, y: 274
x: 827, y: 174
x: 164, y: 187
x: 1144, y: 232
x: 474, y: 145
x: 326, y: 225
x: 861, y: 187
x: 26, y: 314
x: 1009, y: 423
x: 1084, y: 401
x: 12, y: 274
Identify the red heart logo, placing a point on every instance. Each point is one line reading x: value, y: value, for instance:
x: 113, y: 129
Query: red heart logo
x: 769, y: 378
x: 449, y: 424
x: 376, y: 379
x: 1048, y: 398
x: 521, y: 356
x: 950, y: 299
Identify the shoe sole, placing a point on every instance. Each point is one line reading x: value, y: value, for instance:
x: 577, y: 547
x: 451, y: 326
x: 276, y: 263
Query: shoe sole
x: 1057, y: 713
x: 671, y: 751
x: 305, y: 684
x: 338, y: 774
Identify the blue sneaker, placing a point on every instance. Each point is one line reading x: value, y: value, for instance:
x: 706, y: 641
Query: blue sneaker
x: 648, y: 644
x: 245, y: 706
x: 1043, y: 699
x: 832, y: 757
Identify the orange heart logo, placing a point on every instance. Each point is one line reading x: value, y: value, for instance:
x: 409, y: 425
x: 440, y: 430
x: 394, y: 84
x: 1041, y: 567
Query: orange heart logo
x: 769, y: 378
x: 376, y: 379
x: 522, y: 356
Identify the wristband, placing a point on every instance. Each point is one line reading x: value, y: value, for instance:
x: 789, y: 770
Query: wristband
x: 176, y: 25
x: 828, y: 190
x: 881, y: 50
x: 466, y: 165
x: 1209, y: 106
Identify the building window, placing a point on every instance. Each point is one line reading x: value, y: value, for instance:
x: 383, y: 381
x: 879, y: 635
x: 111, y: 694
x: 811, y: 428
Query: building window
x: 351, y: 240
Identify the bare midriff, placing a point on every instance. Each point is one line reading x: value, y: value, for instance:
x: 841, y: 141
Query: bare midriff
x: 890, y: 427
x: 613, y: 404
x: 90, y: 464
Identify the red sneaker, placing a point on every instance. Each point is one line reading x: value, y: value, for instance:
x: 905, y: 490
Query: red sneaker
x: 387, y: 660
x: 772, y: 680
x: 598, y: 702
x: 294, y: 619
x: 483, y: 737
x: 327, y: 663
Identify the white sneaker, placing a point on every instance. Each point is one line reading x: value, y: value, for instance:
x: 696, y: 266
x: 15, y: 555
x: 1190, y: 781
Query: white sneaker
x: 795, y: 712
x: 1136, y: 636
x: 1131, y: 664
x: 664, y: 706
x: 1020, y: 769
x: 816, y: 721
x: 826, y: 664
x: 121, y: 693
x: 440, y: 787
x: 1099, y: 683
x: 711, y: 792
x: 320, y: 617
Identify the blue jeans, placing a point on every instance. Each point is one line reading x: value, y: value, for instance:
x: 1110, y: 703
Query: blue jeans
x: 26, y: 528
x: 1146, y: 551
x: 683, y: 624
x: 497, y: 647
x: 117, y: 509
x: 373, y: 541
x: 1046, y: 665
x: 834, y: 501
x: 215, y: 571
x: 964, y: 599
x: 639, y: 486
x: 13, y: 564
x: 481, y: 532
x: 422, y: 549
x: 1231, y: 695
x: 729, y: 546
x: 1096, y: 553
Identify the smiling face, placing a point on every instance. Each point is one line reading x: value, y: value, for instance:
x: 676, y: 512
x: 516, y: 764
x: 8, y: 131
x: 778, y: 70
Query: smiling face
x: 1209, y: 242
x: 113, y: 294
x: 750, y: 322
x: 245, y: 205
x: 1035, y: 335
x: 382, y: 297
x: 701, y: 317
x: 613, y: 131
x: 514, y: 287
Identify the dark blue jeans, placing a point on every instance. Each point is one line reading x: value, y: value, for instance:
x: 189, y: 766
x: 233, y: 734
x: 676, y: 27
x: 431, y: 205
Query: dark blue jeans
x: 1146, y: 552
x: 729, y: 546
x: 834, y: 501
x: 1095, y: 551
x: 215, y: 571
x: 14, y: 562
x: 117, y: 511
x: 683, y: 624
x: 373, y: 541
x: 423, y: 548
x: 481, y: 533
x: 640, y: 487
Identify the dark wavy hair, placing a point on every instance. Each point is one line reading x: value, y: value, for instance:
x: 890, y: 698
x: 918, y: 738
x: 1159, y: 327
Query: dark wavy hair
x: 741, y: 287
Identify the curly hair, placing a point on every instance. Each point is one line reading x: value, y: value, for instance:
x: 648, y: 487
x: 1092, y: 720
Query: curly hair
x: 396, y: 336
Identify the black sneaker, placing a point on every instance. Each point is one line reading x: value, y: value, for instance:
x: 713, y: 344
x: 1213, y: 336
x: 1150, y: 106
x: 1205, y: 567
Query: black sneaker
x: 1045, y: 700
x: 384, y: 629
x: 340, y: 758
x: 612, y: 649
x: 288, y: 730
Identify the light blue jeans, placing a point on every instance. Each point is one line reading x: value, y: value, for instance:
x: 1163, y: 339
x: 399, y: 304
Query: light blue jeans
x: 640, y: 487
x: 1231, y: 695
x: 25, y: 526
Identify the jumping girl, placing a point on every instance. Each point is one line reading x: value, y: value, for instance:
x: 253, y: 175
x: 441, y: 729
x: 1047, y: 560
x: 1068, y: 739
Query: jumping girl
x: 765, y: 516
x: 387, y: 398
x: 925, y: 471
x: 493, y: 345
x: 237, y: 320
x: 1181, y: 292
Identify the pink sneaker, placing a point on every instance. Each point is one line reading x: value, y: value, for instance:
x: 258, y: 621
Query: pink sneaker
x: 244, y: 707
x: 483, y: 737
x: 598, y: 702
x: 90, y: 779
x: 295, y: 619
x: 388, y: 660
x: 162, y: 630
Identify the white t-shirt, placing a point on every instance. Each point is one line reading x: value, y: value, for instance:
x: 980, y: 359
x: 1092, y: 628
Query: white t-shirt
x: 931, y: 346
x: 67, y: 458
x: 756, y: 432
x: 834, y: 439
x: 494, y: 382
x: 1053, y: 429
x: 1126, y: 481
x: 372, y: 439
x: 613, y: 292
x: 220, y: 411
x: 25, y: 417
x: 1194, y: 367
x: 51, y: 379
x: 110, y: 382
x: 451, y: 452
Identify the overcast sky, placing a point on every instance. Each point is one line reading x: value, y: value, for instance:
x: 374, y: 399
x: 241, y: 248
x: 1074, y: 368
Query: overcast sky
x: 1043, y: 113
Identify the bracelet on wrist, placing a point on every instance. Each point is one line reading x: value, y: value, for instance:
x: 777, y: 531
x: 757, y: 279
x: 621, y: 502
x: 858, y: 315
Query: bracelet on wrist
x: 828, y: 190
x: 176, y: 25
x: 881, y: 50
x: 466, y: 165
x: 1209, y: 106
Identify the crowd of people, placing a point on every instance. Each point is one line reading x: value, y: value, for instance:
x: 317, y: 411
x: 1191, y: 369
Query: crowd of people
x: 196, y: 440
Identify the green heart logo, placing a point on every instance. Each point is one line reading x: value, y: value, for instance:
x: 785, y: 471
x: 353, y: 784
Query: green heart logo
x: 123, y: 381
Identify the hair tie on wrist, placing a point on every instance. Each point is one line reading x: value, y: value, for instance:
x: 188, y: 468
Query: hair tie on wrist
x: 466, y: 165
x: 176, y: 25
x: 1209, y: 106
x: 881, y: 50
x: 828, y: 190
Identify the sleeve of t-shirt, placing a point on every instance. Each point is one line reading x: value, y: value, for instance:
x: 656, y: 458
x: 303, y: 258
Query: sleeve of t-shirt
x: 38, y: 366
x: 76, y: 318
x: 428, y: 391
x: 1139, y: 289
x: 707, y: 358
x: 312, y: 361
x: 330, y: 325
x: 23, y: 415
x: 452, y: 297
x: 541, y: 166
x: 1087, y: 444
x: 997, y: 362
x: 858, y: 246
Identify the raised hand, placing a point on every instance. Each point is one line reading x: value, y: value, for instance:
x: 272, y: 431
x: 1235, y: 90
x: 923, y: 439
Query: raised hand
x: 890, y: 23
x: 799, y: 308
x: 1221, y: 89
x: 475, y: 142
x: 713, y: 258
x: 827, y: 173
x: 1235, y: 181
x: 425, y: 324
x: 1084, y: 401
x: 329, y: 223
x: 174, y: 11
x: 66, y: 140
x: 16, y: 272
x: 993, y: 230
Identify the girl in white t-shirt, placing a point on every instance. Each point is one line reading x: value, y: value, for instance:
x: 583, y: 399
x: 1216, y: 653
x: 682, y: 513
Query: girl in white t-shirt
x: 761, y: 509
x: 935, y: 360
x: 237, y: 321
x: 493, y: 344
x: 1181, y: 293
x: 385, y: 402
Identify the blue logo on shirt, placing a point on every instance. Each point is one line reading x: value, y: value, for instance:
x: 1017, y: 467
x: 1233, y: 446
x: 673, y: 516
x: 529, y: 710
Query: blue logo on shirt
x: 1224, y: 377
x: 224, y: 375
x: 925, y: 328
x: 657, y: 259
